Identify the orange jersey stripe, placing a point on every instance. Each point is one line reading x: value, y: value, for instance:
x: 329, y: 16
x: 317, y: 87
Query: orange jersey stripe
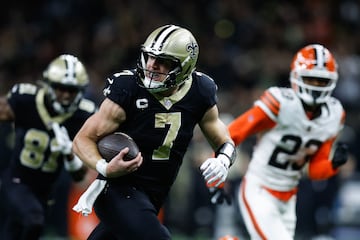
x: 283, y: 196
x: 252, y: 217
x: 251, y: 122
x: 320, y: 166
x: 271, y: 102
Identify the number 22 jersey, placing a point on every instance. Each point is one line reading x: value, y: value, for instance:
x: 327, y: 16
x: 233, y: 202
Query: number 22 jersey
x: 287, y: 137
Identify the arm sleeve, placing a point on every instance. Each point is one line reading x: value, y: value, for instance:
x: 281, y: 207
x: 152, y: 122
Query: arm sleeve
x: 320, y: 166
x: 251, y: 122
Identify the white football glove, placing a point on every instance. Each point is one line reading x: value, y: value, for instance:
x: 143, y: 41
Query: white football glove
x: 215, y: 170
x: 64, y: 144
x: 74, y: 164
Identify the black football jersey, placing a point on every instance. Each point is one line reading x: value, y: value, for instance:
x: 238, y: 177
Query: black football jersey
x: 32, y: 161
x: 162, y: 127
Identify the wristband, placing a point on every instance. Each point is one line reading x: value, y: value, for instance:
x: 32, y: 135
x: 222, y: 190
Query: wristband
x: 101, y: 167
x: 74, y: 164
x: 227, y: 149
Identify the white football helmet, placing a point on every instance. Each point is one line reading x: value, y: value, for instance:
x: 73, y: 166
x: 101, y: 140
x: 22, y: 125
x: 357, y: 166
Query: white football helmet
x: 172, y: 43
x: 65, y: 71
x: 313, y: 61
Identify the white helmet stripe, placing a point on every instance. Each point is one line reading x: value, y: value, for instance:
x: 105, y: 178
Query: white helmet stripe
x: 163, y: 36
x: 319, y: 56
x: 70, y: 63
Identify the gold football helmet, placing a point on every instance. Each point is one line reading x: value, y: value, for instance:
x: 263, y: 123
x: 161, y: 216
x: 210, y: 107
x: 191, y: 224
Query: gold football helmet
x: 172, y: 43
x: 65, y: 72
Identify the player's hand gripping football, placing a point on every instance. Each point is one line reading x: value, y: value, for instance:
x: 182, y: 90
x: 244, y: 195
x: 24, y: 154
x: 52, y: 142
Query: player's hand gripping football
x: 340, y: 155
x: 215, y: 170
x: 118, y: 166
x: 64, y: 144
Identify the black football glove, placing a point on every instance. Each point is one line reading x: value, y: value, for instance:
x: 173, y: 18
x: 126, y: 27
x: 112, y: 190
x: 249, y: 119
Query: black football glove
x: 219, y: 195
x: 340, y: 155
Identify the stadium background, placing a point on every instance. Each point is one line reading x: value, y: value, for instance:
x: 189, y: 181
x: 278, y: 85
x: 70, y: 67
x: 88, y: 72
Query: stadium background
x: 246, y: 46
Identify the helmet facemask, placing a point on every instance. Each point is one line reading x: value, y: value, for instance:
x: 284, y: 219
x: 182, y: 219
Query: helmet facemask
x: 63, y: 107
x: 310, y: 94
x: 148, y: 76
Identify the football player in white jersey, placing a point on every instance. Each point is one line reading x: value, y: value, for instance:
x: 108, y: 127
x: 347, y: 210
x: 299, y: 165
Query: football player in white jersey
x: 297, y: 129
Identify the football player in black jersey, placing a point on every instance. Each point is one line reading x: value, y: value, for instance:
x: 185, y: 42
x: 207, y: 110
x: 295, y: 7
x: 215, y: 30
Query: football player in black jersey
x: 45, y: 120
x: 158, y: 105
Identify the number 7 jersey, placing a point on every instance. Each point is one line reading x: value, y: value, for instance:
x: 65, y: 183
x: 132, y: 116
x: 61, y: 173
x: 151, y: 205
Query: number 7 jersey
x: 161, y: 127
x: 287, y: 137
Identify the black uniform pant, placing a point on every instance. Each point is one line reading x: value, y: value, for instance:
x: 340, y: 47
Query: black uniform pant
x: 127, y: 213
x: 25, y: 212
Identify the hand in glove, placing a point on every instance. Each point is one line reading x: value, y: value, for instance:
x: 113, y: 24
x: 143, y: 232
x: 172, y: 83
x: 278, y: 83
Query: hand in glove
x: 75, y: 167
x: 340, y: 155
x: 215, y: 170
x: 219, y: 195
x: 64, y: 144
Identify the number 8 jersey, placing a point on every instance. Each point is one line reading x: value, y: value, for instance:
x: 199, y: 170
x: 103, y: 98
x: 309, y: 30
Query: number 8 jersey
x: 33, y: 163
x: 288, y: 138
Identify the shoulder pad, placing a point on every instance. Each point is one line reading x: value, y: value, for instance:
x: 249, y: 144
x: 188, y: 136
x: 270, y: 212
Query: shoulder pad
x: 118, y: 81
x: 205, y: 81
x: 201, y: 74
x: 335, y: 101
x: 87, y: 105
x: 270, y: 102
x: 124, y: 73
x: 24, y: 88
x: 283, y: 94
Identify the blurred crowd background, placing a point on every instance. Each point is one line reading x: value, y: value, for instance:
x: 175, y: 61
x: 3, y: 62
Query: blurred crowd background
x: 246, y: 46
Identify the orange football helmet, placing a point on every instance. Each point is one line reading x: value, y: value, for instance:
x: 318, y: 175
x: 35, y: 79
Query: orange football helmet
x: 313, y: 61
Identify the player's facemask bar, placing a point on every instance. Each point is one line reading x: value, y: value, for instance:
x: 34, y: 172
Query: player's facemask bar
x: 64, y: 107
x: 313, y: 94
x: 149, y: 78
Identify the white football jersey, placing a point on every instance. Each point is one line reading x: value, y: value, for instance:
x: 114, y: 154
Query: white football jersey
x: 281, y: 153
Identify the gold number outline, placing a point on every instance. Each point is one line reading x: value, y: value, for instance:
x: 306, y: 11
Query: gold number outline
x: 172, y: 119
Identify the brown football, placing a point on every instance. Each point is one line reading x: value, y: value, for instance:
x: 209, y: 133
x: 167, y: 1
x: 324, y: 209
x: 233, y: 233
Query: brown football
x: 110, y: 145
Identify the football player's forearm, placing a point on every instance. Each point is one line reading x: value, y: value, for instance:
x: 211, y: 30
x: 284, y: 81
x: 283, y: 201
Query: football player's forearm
x: 320, y: 166
x: 249, y: 123
x: 86, y: 150
x: 321, y: 170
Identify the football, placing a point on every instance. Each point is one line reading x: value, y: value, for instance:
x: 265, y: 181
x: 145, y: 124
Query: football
x: 110, y: 145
